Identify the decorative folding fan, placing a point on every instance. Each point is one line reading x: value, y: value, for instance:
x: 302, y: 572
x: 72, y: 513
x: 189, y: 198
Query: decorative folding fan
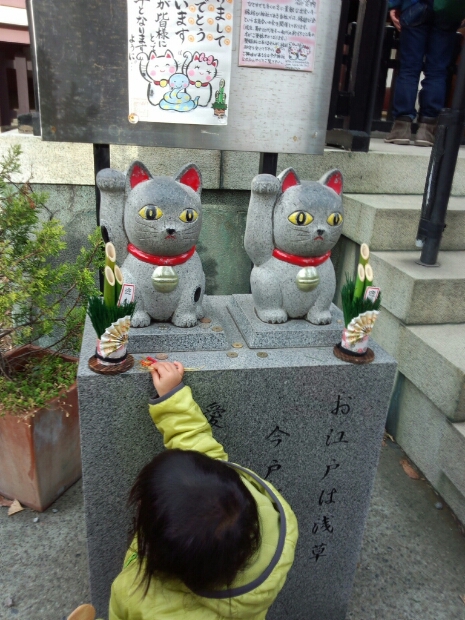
x: 115, y: 336
x: 361, y: 326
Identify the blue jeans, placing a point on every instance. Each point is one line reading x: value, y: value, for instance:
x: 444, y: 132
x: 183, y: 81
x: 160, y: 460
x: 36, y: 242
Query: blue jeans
x: 421, y: 39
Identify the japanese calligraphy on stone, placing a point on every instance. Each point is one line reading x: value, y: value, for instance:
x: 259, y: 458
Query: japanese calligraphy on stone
x: 179, y: 60
x: 328, y: 495
x: 278, y: 34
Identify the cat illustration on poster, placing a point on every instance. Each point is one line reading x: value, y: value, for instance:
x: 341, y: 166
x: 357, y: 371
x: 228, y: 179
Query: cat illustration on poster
x: 166, y: 88
x: 201, y: 70
x: 157, y: 70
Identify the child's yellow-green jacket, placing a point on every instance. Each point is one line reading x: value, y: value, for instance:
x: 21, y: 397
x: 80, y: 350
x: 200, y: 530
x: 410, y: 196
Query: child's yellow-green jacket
x: 183, y: 425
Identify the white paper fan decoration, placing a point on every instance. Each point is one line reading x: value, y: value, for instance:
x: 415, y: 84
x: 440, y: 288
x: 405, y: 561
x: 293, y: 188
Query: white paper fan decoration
x: 361, y: 326
x: 116, y: 336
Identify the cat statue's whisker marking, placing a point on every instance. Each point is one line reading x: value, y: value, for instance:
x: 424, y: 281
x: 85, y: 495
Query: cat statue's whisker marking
x: 292, y: 226
x: 161, y: 222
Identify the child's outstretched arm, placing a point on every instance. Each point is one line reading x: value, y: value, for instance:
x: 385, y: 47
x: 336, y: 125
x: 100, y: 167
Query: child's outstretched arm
x: 177, y: 416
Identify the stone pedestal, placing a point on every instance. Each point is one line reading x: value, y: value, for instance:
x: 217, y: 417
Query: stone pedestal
x: 293, y: 333
x: 304, y: 420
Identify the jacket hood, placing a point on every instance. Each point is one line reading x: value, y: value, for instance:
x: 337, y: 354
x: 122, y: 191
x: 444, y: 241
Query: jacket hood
x: 254, y: 589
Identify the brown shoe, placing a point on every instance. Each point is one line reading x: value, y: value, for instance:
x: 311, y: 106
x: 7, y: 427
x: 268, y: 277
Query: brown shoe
x: 401, y: 131
x: 426, y: 132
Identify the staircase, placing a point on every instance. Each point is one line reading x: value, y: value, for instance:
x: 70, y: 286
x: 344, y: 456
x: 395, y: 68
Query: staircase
x: 422, y: 323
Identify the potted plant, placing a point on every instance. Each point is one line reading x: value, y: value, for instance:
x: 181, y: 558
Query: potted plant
x: 41, y: 298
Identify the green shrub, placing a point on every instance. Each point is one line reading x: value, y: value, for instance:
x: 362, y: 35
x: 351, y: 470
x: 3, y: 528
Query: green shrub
x: 40, y: 294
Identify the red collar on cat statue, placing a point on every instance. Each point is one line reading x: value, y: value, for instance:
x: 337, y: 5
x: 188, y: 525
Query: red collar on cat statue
x: 161, y: 261
x: 199, y: 83
x: 301, y: 261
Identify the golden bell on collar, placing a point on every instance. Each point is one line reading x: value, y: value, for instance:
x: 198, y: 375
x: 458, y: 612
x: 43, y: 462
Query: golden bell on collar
x: 307, y: 279
x: 164, y: 279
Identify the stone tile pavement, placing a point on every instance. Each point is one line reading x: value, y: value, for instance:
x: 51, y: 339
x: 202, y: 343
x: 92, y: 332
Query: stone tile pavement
x: 412, y: 564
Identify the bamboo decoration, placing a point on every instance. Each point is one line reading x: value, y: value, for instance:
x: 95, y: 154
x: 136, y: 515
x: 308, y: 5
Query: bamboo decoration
x: 110, y: 321
x: 364, y: 254
x: 110, y: 255
x: 368, y: 276
x: 359, y: 282
x: 109, y: 287
x: 118, y: 282
x: 353, y: 299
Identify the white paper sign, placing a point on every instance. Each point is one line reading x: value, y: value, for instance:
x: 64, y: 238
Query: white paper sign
x: 128, y: 292
x: 372, y: 293
x: 179, y: 65
x: 278, y: 34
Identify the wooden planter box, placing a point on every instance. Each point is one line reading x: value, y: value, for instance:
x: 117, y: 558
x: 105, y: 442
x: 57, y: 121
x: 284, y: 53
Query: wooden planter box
x: 40, y: 456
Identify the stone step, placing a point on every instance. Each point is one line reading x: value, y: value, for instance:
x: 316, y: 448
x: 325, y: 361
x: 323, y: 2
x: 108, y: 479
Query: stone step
x: 432, y: 357
x: 390, y: 222
x: 385, y: 169
x: 420, y: 295
x: 435, y: 445
x: 453, y: 455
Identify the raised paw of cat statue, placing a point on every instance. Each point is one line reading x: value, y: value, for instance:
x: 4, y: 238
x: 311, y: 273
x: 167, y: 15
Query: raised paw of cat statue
x: 154, y: 223
x: 292, y: 226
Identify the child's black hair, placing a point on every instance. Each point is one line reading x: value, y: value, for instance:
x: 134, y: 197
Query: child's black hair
x: 195, y: 520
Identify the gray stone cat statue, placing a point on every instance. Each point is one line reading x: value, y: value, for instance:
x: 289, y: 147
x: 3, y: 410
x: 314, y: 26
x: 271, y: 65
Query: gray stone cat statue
x: 154, y: 224
x: 292, y: 226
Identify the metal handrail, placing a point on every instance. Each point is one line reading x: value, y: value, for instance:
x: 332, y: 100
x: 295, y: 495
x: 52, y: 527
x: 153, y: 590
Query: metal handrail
x: 441, y: 171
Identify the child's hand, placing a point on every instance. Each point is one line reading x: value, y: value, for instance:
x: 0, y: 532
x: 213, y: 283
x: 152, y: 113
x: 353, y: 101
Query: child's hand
x: 166, y: 376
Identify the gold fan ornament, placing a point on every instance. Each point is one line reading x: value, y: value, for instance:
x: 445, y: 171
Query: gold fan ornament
x: 361, y: 326
x: 115, y: 339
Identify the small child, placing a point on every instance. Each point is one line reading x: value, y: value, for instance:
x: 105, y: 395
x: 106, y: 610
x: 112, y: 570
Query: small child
x: 211, y: 539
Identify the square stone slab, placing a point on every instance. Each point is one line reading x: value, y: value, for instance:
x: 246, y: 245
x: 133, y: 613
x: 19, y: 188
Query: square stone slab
x: 293, y: 333
x: 164, y: 337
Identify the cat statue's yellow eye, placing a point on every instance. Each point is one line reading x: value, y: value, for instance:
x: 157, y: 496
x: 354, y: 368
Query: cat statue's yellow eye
x: 334, y: 219
x: 189, y: 215
x: 300, y: 218
x: 151, y: 212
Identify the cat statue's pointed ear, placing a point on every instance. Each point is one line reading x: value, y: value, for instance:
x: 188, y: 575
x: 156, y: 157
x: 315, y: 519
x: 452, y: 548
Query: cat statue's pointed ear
x: 190, y: 175
x: 288, y: 179
x: 136, y: 174
x: 333, y: 180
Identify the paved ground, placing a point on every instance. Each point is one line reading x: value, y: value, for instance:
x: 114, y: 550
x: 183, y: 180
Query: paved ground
x: 412, y: 565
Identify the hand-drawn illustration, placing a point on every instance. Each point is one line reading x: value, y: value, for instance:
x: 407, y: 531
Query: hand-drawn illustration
x: 177, y: 98
x: 168, y: 39
x: 200, y: 70
x: 293, y: 50
x: 219, y: 105
x: 304, y: 52
x: 157, y: 70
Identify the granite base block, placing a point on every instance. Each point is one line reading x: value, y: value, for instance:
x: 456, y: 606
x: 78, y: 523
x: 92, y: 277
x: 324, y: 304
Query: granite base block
x: 293, y: 333
x: 309, y: 423
x: 163, y: 337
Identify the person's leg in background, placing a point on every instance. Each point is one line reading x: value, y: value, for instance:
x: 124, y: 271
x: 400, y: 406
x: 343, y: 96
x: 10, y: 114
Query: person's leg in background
x: 439, y: 56
x: 412, y: 49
